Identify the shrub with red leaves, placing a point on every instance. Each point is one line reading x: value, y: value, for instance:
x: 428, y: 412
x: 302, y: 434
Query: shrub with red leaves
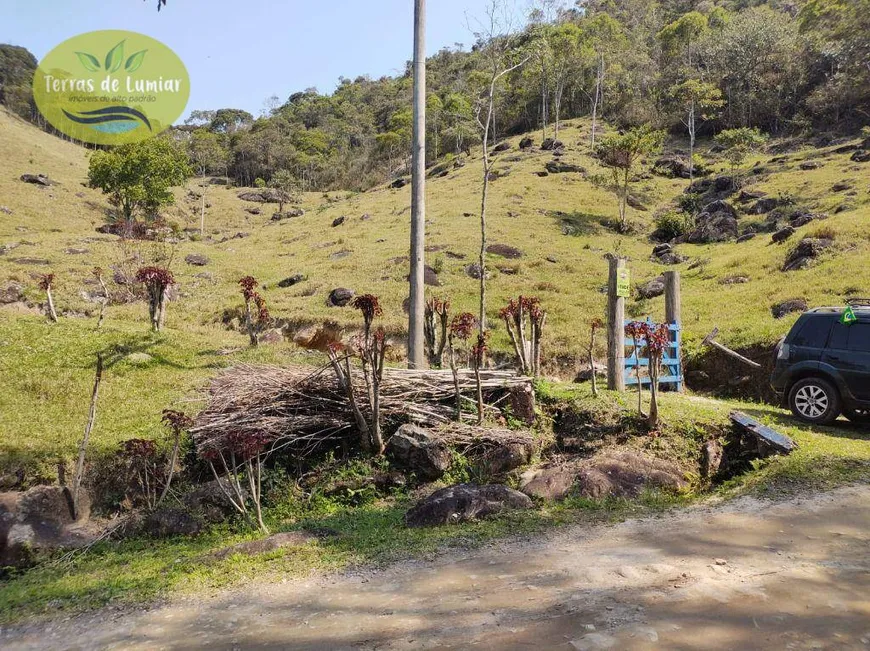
x: 249, y: 286
x: 463, y: 325
x: 156, y: 280
x: 46, y: 281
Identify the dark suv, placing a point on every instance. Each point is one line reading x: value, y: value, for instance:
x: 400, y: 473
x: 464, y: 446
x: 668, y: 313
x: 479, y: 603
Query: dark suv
x: 823, y: 365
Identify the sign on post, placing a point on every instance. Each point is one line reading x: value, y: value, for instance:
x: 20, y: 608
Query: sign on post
x: 623, y: 282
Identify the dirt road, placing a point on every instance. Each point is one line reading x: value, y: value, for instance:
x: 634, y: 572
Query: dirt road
x: 749, y: 574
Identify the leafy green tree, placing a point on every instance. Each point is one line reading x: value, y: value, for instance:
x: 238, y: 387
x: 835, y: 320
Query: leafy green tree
x: 738, y: 144
x: 137, y: 177
x: 681, y: 35
x: 207, y: 154
x: 434, y: 111
x: 286, y: 187
x: 17, y: 66
x: 696, y: 100
x: 621, y: 154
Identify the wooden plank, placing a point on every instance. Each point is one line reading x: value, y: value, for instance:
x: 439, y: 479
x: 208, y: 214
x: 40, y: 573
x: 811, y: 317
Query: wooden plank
x: 779, y: 442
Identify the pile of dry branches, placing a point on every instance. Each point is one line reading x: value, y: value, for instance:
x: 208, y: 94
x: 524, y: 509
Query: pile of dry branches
x: 300, y: 408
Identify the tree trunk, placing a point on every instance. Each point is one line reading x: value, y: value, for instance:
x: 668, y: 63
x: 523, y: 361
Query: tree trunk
x: 83, y: 446
x: 599, y: 80
x: 416, y: 347
x: 691, y: 142
x: 52, y: 314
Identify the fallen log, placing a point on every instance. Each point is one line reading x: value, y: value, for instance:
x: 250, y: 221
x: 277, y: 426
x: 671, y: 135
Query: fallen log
x: 709, y: 340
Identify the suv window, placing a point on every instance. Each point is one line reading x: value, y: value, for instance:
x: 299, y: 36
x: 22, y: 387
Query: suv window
x: 813, y: 333
x: 855, y: 337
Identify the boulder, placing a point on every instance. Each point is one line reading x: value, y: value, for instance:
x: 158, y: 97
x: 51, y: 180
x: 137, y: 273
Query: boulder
x: 11, y: 292
x: 784, y: 308
x: 717, y: 226
x: 783, y: 234
x: 262, y: 195
x: 661, y: 249
x: 169, y: 521
x: 550, y: 144
x: 500, y: 147
x: 527, y: 143
x: 842, y: 186
x: 37, y: 179
x: 627, y: 474
x: 675, y: 166
x: 734, y: 280
x: 802, y: 219
x: 399, y: 183
x: 505, y: 251
x: 253, y: 210
x: 505, y: 457
x: 805, y: 252
x: 288, y: 214
x: 560, y: 167
x: 37, y: 521
x: 291, y: 280
x: 338, y: 221
x: 810, y: 165
x: 416, y: 450
x: 720, y: 207
x: 711, y: 458
x: 652, y: 288
x: 746, y: 237
x: 550, y: 482
x: 724, y: 184
x: 861, y: 156
x: 340, y: 297
x: 465, y: 503
x: 473, y: 271
x: 764, y: 206
x: 196, y: 260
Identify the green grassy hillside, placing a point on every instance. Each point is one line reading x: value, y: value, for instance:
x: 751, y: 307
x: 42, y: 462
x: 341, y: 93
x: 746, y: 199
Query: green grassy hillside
x: 47, y: 369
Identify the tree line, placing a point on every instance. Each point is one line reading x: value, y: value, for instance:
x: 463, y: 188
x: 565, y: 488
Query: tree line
x: 687, y: 66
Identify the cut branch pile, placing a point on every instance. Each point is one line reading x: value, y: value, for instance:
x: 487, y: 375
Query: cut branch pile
x: 303, y: 409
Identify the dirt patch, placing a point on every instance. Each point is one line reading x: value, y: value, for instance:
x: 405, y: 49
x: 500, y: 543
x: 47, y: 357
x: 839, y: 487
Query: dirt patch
x: 715, y: 373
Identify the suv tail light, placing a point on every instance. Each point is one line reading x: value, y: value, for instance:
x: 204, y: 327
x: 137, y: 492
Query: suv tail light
x: 783, y: 352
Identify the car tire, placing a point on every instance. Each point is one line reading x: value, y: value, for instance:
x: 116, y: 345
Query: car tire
x: 814, y: 400
x: 859, y: 417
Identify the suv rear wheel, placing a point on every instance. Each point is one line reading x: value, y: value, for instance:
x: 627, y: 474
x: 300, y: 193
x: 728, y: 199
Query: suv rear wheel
x: 814, y: 400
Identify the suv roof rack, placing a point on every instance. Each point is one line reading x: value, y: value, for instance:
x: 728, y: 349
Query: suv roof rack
x: 858, y: 302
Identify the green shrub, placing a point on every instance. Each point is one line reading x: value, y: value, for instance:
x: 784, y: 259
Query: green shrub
x: 690, y: 203
x: 672, y: 224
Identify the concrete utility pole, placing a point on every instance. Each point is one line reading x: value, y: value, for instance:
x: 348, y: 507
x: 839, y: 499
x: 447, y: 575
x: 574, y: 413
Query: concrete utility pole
x: 416, y: 344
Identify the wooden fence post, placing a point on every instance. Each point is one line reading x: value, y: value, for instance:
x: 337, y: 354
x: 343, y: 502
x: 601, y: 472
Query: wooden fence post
x: 615, y: 329
x: 673, y: 311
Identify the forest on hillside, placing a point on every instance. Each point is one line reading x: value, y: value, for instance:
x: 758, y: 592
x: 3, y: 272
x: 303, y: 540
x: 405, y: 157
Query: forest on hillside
x: 787, y: 67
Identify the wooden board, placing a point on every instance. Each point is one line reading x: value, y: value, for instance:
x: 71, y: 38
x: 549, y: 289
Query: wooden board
x: 779, y: 442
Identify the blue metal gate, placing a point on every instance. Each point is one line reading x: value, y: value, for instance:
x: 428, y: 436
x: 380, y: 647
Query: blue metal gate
x: 672, y: 367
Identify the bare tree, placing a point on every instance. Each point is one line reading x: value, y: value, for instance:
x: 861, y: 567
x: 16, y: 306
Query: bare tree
x: 501, y: 58
x: 416, y: 349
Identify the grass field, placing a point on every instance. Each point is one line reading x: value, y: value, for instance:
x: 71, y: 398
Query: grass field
x: 47, y: 369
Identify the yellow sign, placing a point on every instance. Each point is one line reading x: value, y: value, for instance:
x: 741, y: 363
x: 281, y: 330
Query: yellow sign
x: 111, y: 87
x: 623, y: 282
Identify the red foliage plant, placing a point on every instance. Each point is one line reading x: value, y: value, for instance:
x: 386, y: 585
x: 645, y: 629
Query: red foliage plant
x: 243, y: 445
x: 370, y: 306
x: 46, y: 281
x: 138, y: 449
x: 176, y: 420
x: 249, y: 284
x: 463, y: 325
x: 157, y: 277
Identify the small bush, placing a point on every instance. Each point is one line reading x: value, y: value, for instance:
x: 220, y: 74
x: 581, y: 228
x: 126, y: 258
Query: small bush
x: 259, y: 183
x: 690, y: 203
x: 824, y: 233
x: 672, y: 224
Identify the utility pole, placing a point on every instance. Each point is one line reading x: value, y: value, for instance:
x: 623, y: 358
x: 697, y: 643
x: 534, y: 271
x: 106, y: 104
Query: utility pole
x: 416, y: 344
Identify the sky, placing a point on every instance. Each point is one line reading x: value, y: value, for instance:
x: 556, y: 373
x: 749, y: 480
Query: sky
x: 240, y: 52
